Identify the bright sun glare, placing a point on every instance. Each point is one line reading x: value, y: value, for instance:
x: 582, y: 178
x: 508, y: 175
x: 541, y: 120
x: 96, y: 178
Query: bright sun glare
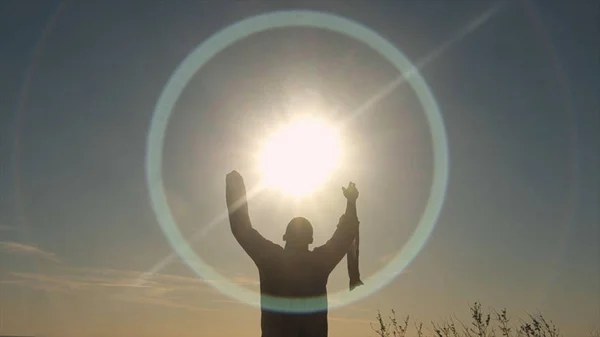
x: 300, y: 156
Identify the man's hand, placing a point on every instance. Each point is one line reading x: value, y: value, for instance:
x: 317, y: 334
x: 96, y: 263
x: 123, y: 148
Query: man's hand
x: 235, y: 191
x: 350, y: 192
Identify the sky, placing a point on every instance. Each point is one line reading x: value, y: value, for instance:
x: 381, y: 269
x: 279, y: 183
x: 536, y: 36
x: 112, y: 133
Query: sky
x: 82, y: 252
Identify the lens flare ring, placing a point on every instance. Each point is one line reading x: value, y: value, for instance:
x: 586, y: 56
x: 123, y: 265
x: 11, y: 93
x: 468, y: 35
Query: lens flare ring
x: 236, y: 32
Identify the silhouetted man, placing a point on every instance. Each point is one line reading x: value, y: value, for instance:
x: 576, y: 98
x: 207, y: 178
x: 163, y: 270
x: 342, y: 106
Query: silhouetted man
x: 292, y: 274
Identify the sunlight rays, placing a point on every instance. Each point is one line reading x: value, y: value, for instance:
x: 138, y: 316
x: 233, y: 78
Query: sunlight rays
x: 424, y: 61
x: 387, y: 89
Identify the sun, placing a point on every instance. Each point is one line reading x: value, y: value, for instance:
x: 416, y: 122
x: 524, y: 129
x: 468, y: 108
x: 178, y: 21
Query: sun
x: 300, y: 156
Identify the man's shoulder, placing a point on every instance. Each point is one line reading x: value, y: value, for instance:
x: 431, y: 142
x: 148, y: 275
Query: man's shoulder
x: 317, y: 250
x: 275, y: 248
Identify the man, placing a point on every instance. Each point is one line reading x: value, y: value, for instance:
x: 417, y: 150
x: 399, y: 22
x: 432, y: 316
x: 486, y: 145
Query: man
x: 292, y: 274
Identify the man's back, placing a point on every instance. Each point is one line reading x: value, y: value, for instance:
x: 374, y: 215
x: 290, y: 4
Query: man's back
x: 293, y: 281
x: 294, y: 274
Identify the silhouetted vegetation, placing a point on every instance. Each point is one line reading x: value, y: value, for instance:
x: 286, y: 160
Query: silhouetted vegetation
x: 482, y: 324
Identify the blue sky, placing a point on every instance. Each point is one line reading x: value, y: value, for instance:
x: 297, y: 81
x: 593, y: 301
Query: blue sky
x: 519, y: 224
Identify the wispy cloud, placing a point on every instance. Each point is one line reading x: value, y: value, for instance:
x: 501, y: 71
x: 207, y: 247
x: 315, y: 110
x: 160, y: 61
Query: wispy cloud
x: 18, y: 248
x: 167, y: 302
x: 91, y: 279
x: 169, y: 290
x: 5, y: 228
x: 357, y: 308
x: 245, y: 280
x: 349, y: 319
x: 48, y: 283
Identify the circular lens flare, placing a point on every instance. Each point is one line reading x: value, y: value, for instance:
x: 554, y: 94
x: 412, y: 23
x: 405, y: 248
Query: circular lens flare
x: 238, y: 31
x: 300, y: 157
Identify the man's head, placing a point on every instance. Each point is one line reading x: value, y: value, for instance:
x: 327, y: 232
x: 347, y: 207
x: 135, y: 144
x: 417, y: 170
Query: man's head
x: 299, y: 232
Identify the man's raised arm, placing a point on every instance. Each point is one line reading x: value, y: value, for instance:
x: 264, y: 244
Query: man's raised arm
x: 255, y: 245
x: 347, y: 230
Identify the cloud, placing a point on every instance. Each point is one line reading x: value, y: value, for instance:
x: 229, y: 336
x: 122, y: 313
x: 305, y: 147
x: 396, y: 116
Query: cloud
x: 174, y: 291
x: 6, y: 228
x: 357, y: 308
x: 166, y: 302
x: 48, y: 283
x: 349, y: 319
x: 17, y: 248
x: 245, y: 280
x: 90, y: 279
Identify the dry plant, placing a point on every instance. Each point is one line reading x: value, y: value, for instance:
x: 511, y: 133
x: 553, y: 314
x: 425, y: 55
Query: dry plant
x: 482, y: 324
